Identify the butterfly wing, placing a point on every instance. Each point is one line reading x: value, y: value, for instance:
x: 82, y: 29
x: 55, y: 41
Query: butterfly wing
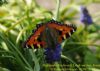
x: 35, y: 39
x: 51, y: 33
x: 64, y: 30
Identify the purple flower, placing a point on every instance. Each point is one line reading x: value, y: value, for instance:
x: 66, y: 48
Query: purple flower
x: 53, y: 54
x: 85, y: 16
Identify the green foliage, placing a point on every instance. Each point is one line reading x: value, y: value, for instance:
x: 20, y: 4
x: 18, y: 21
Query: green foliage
x: 17, y: 20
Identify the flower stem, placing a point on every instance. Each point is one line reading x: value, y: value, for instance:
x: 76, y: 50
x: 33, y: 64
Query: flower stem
x: 57, y: 10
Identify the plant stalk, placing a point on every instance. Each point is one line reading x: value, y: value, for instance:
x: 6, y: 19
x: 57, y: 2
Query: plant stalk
x: 57, y: 10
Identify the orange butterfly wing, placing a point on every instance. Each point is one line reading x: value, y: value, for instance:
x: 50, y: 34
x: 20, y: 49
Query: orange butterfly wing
x: 33, y: 39
x: 64, y: 30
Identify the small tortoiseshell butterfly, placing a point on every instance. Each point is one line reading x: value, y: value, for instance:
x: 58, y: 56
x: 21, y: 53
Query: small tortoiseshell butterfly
x: 49, y: 34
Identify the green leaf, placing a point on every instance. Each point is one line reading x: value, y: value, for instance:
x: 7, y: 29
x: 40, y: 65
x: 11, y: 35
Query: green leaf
x: 4, y: 69
x: 90, y: 58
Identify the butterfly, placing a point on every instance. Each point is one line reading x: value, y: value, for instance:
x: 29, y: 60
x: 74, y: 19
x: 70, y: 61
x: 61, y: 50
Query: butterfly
x: 49, y: 34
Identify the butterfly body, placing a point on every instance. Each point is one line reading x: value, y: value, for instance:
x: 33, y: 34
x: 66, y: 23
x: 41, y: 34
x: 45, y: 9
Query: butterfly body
x: 49, y: 34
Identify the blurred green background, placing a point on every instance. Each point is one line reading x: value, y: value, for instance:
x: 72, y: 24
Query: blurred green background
x: 19, y: 17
